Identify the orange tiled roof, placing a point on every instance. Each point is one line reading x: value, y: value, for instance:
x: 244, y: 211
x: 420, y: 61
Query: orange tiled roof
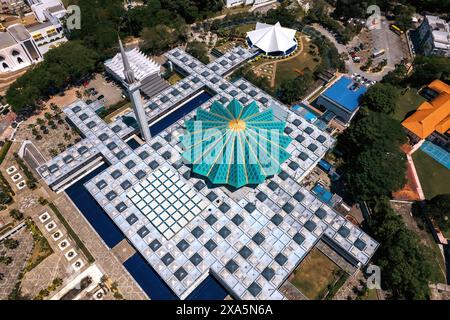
x: 431, y: 116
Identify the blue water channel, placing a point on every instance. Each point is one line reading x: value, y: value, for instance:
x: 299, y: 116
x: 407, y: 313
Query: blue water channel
x: 182, y: 111
x: 137, y: 266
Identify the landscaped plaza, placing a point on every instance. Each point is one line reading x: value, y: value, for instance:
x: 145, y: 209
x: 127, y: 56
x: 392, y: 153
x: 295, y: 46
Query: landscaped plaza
x: 250, y: 238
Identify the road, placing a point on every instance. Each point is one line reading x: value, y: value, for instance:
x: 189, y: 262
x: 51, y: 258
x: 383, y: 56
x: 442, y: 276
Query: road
x: 382, y: 39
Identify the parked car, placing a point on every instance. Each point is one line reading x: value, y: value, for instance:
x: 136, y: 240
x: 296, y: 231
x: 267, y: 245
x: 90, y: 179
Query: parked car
x: 101, y: 97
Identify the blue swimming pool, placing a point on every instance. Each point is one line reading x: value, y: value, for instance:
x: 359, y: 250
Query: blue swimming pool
x: 137, y: 266
x: 191, y: 105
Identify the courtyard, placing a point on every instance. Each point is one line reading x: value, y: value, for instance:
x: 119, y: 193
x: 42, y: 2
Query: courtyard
x: 315, y: 275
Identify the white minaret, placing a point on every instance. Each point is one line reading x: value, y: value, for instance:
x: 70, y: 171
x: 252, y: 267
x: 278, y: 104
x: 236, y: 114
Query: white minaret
x: 135, y: 96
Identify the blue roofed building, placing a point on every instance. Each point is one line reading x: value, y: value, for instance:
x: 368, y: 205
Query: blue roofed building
x: 342, y: 98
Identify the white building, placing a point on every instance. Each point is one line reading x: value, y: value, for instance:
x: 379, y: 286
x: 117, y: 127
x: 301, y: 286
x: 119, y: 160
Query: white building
x: 235, y: 3
x: 47, y: 35
x: 18, y: 49
x: 434, y: 34
x: 45, y: 10
x: 273, y: 40
x: 146, y: 72
x: 140, y: 64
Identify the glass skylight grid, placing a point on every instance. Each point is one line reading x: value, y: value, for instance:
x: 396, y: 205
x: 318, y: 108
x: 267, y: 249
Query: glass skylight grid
x: 165, y: 199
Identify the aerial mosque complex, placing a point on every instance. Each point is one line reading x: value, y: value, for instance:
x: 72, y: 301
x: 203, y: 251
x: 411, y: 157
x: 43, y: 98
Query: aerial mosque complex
x: 225, y: 201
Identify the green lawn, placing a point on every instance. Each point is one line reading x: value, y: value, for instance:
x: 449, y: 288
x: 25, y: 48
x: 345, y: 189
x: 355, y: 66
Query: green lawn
x: 109, y: 117
x: 434, y: 177
x: 289, y: 69
x: 407, y: 103
x: 313, y: 276
x: 244, y: 28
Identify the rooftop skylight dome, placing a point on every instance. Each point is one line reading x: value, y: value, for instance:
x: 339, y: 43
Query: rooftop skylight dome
x: 273, y: 40
x: 235, y: 145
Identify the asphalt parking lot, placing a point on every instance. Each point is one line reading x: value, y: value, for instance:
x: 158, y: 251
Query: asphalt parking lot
x: 111, y: 91
x: 395, y: 45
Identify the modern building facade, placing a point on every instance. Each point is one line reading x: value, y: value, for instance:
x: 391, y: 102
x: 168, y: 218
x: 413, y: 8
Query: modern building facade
x: 434, y: 36
x: 342, y: 98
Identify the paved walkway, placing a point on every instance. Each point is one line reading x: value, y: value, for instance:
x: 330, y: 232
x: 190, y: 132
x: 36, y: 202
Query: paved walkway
x: 336, y: 258
x: 105, y: 258
x: 20, y: 257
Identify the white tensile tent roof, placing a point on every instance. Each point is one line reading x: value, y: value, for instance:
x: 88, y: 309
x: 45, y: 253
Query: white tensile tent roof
x: 140, y: 63
x: 272, y: 38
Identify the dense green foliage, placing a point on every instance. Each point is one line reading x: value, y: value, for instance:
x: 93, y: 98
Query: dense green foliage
x: 375, y: 164
x: 62, y: 66
x: 405, y: 267
x: 161, y: 37
x: 376, y: 173
x: 10, y: 243
x: 381, y: 97
x: 427, y: 69
x: 319, y: 13
x: 198, y: 50
x: 16, y: 214
x: 438, y: 209
x: 330, y: 58
x: 292, y: 90
x: 396, y: 77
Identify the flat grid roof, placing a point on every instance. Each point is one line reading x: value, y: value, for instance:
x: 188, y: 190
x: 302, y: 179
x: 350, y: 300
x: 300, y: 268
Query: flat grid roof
x: 251, y: 239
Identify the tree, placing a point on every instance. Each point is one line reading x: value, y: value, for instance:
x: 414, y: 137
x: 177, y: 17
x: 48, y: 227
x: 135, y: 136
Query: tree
x: 396, y: 77
x: 160, y: 37
x: 404, y: 15
x: 371, y: 131
x: 5, y: 198
x: 62, y: 66
x: 5, y: 260
x: 16, y: 214
x: 404, y: 264
x: 292, y: 90
x: 427, y: 69
x: 198, y: 50
x: 438, y: 209
x: 381, y: 97
x: 352, y: 8
x: 11, y: 243
x: 375, y: 173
